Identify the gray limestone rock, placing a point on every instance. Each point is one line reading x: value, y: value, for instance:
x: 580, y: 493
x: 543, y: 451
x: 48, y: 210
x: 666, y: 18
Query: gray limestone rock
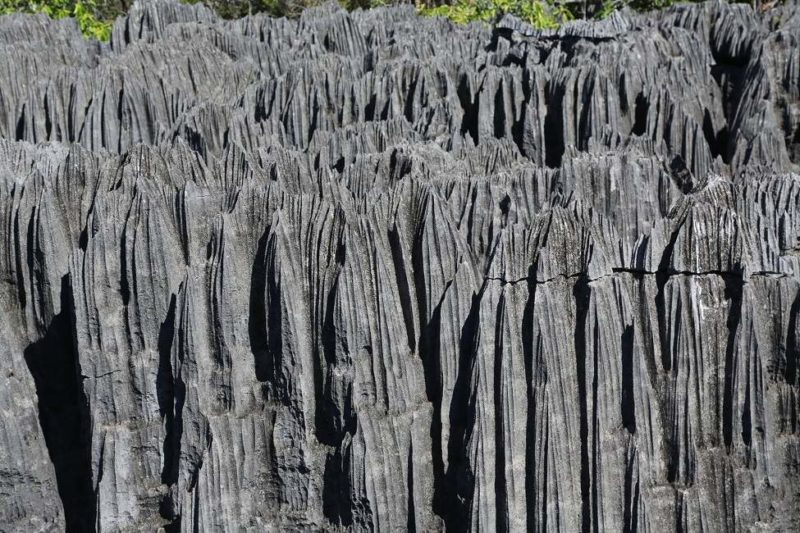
x: 373, y: 272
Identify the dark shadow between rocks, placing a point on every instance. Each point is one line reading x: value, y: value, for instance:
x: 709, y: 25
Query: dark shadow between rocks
x: 64, y: 414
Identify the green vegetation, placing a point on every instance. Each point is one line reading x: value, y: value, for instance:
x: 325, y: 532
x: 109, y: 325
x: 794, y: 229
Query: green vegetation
x: 232, y: 9
x: 95, y: 17
x: 537, y: 13
x: 541, y: 14
x: 85, y: 12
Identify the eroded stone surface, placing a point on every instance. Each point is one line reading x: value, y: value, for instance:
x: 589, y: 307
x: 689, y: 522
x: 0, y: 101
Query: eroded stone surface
x: 372, y: 271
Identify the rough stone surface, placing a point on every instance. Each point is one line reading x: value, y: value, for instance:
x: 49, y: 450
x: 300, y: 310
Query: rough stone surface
x: 371, y: 271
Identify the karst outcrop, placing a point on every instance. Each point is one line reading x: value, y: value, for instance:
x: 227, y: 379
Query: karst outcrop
x: 370, y: 271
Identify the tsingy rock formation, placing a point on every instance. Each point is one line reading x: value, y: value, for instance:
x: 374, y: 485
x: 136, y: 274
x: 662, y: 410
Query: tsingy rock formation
x: 371, y: 271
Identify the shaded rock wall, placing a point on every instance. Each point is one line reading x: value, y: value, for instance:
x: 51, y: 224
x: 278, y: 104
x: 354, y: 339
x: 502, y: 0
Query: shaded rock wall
x: 372, y: 271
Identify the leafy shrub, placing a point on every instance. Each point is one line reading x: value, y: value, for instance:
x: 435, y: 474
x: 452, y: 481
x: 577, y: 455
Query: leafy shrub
x: 545, y: 14
x: 84, y: 12
x: 95, y: 17
x: 537, y: 13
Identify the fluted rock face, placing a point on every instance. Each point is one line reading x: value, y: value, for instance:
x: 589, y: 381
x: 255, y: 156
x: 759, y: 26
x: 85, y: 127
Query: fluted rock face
x: 371, y: 271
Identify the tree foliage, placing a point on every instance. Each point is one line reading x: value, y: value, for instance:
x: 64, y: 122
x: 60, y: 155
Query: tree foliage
x: 85, y: 13
x: 538, y: 13
x: 95, y: 17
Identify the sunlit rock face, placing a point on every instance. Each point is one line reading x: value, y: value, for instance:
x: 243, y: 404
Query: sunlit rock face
x: 370, y: 271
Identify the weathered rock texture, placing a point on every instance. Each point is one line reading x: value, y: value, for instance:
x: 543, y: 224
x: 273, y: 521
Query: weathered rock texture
x: 372, y: 271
